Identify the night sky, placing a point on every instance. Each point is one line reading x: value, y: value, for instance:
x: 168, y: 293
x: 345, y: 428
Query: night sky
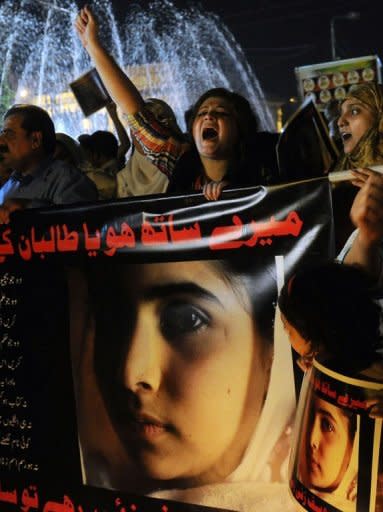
x: 278, y: 35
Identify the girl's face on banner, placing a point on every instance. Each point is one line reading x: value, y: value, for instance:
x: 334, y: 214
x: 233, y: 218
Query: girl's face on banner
x: 194, y: 375
x: 329, y: 445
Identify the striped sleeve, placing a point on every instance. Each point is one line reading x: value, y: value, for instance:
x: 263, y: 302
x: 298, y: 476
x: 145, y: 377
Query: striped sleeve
x: 156, y: 140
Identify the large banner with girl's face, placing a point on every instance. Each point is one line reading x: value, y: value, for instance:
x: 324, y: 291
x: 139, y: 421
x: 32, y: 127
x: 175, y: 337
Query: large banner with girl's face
x: 144, y: 366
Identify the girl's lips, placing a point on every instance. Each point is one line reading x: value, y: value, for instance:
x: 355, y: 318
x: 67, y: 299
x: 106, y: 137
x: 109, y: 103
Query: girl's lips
x: 314, y: 466
x: 150, y: 430
x: 148, y: 427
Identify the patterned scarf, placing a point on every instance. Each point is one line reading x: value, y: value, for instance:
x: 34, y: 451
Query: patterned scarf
x: 369, y: 150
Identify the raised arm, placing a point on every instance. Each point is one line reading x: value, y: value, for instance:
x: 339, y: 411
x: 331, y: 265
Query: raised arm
x: 120, y: 88
x: 157, y: 141
x: 367, y: 215
x: 120, y: 129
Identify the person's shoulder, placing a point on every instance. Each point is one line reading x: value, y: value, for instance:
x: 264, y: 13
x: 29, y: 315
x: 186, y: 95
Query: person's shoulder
x: 65, y: 177
x: 375, y: 371
x: 347, y: 246
x: 61, y: 167
x: 65, y: 172
x: 187, y: 169
x: 260, y: 165
x: 265, y: 144
x: 269, y: 138
x: 111, y: 167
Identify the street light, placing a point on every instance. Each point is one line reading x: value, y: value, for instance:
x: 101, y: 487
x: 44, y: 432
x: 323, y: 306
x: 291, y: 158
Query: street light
x: 352, y: 15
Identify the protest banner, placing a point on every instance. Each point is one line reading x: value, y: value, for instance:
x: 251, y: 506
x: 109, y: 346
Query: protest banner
x: 143, y: 363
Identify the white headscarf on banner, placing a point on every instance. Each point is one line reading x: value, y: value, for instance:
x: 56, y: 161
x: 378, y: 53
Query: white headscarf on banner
x: 259, y: 483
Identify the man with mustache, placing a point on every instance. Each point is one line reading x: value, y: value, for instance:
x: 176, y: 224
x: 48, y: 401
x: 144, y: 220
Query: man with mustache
x: 27, y: 144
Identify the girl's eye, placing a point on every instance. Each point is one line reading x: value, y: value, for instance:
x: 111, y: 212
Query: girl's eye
x: 178, y: 320
x: 202, y: 113
x: 354, y: 111
x: 326, y: 425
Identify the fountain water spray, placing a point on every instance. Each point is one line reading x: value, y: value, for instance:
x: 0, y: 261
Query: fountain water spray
x: 53, y: 5
x: 170, y: 53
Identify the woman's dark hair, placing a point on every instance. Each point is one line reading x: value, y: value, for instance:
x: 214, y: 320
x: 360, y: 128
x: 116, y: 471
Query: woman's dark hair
x: 260, y: 282
x: 247, y: 123
x: 246, y: 166
x: 246, y: 119
x: 332, y: 306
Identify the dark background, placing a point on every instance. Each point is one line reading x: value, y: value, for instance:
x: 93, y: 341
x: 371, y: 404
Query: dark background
x: 278, y: 35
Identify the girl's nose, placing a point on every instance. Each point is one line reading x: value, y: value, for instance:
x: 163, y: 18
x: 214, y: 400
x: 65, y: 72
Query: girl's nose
x: 342, y: 121
x: 142, y: 367
x: 208, y: 114
x: 315, y: 436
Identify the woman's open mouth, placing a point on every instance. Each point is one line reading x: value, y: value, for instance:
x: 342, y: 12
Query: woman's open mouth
x: 209, y: 134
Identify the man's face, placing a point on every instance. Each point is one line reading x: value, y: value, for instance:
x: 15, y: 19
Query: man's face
x: 17, y: 147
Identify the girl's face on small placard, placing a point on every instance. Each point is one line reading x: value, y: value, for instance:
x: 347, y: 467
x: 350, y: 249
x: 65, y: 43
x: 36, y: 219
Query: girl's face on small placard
x: 329, y: 445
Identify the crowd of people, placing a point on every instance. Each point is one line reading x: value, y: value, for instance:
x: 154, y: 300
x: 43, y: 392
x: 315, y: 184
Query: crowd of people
x: 222, y: 148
